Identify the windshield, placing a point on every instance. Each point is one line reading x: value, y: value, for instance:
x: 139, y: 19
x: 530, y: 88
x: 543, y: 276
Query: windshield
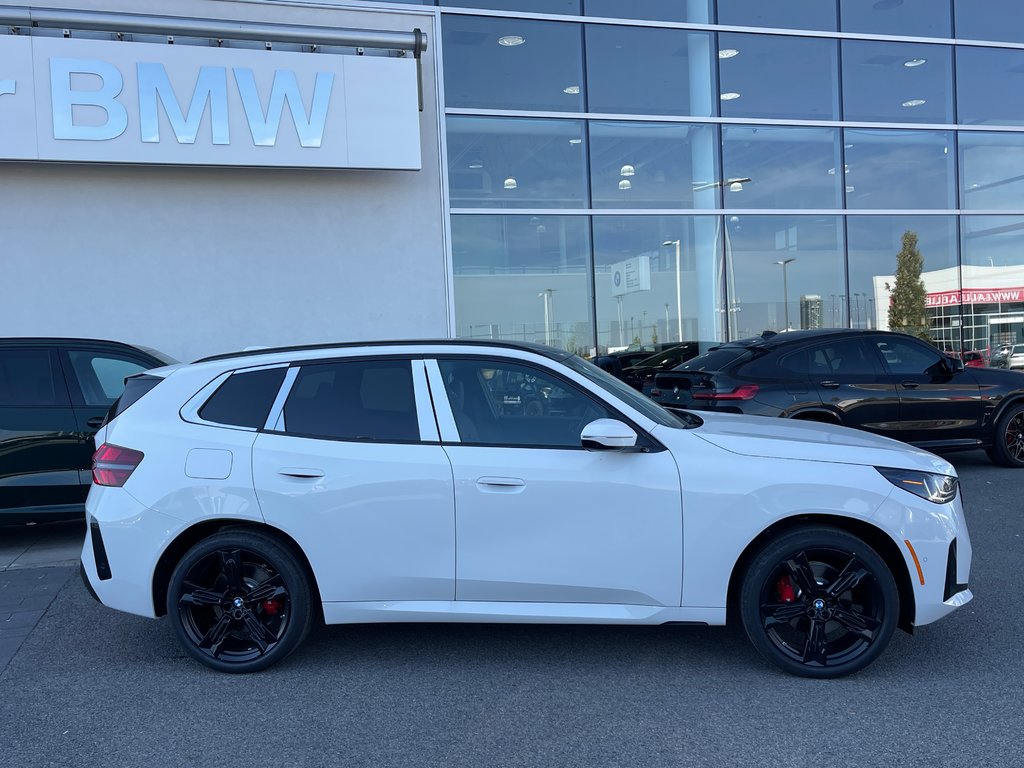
x: 623, y: 391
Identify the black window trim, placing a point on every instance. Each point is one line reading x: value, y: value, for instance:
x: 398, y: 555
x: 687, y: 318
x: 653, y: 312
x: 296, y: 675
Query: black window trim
x: 653, y: 446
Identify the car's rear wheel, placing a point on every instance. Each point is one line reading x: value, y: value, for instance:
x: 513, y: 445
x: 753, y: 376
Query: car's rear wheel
x: 1008, y: 447
x: 239, y: 601
x: 819, y: 602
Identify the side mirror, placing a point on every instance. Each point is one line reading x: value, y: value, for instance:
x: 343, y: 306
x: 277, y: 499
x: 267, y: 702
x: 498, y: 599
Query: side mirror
x: 955, y: 364
x: 608, y: 435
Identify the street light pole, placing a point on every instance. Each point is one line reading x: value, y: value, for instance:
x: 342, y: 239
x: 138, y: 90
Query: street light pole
x: 785, y: 289
x: 679, y: 291
x: 546, y: 295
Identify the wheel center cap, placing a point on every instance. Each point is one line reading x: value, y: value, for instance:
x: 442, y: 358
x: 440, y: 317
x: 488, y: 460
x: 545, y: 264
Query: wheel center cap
x: 237, y: 602
x: 819, y: 604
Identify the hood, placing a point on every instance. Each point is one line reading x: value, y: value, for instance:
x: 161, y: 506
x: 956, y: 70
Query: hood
x: 811, y: 441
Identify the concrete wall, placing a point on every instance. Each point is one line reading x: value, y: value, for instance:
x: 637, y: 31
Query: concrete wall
x: 195, y: 261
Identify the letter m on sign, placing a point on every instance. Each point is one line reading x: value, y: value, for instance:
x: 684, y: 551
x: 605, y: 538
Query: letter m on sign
x: 155, y: 88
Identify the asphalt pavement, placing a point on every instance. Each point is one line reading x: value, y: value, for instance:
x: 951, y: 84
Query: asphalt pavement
x: 90, y: 686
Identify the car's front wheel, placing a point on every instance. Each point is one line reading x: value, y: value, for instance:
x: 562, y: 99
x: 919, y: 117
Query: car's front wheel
x: 239, y: 601
x: 819, y: 602
x: 1008, y: 444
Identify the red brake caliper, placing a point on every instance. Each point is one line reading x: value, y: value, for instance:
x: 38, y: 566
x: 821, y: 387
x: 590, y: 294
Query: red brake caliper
x: 271, y: 606
x: 785, y: 589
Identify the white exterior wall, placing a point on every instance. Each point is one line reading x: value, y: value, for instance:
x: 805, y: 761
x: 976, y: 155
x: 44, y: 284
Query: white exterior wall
x: 195, y: 261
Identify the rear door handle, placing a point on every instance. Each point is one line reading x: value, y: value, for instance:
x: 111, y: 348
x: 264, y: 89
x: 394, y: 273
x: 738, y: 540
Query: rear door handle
x: 910, y: 385
x: 96, y: 422
x: 831, y: 384
x: 301, y: 472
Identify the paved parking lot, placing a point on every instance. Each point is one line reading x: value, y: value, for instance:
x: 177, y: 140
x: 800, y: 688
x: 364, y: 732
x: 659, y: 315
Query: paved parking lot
x: 90, y: 686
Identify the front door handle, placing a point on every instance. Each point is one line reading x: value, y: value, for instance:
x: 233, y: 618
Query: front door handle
x: 830, y: 384
x: 301, y: 472
x: 910, y: 385
x: 500, y: 484
x: 96, y: 422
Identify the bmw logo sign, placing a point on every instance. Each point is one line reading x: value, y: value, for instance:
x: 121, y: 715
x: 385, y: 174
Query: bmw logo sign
x: 617, y: 279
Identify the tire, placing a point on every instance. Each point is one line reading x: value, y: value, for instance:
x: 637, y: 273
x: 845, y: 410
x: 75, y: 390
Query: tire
x: 239, y: 601
x: 1008, y: 439
x: 819, y: 602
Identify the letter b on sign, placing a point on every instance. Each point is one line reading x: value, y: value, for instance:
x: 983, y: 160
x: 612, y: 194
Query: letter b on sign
x: 64, y: 99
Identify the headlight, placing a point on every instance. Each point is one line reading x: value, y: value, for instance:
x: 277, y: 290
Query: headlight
x: 939, y: 489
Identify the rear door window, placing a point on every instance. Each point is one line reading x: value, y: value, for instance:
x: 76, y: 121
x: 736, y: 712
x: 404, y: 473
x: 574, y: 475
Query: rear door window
x: 31, y: 378
x: 101, y: 375
x: 370, y: 400
x: 244, y: 399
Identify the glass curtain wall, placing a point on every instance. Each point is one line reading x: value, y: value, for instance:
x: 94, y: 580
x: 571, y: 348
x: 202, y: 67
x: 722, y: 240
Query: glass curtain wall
x: 621, y: 174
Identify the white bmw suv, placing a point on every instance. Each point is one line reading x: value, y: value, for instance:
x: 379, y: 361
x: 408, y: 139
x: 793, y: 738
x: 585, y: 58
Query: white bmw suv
x: 246, y: 496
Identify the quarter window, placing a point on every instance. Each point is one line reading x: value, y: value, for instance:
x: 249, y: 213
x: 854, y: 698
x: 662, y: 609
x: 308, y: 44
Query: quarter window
x: 356, y: 400
x: 244, y: 399
x: 503, y: 403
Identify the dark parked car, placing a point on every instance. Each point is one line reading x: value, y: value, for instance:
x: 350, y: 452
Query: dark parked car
x: 888, y: 383
x: 1000, y: 356
x: 640, y: 375
x: 54, y: 395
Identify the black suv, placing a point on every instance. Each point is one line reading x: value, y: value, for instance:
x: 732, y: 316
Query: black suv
x: 54, y: 395
x: 888, y: 383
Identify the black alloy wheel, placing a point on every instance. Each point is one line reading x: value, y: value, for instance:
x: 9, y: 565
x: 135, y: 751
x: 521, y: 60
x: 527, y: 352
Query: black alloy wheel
x: 819, y: 602
x: 239, y: 601
x: 1008, y: 445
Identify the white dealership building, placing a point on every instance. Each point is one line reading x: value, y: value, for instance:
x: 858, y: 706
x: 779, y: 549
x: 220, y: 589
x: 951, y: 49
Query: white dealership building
x: 203, y: 175
x: 214, y: 175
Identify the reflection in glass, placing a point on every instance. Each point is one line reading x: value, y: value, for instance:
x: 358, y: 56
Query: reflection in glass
x: 784, y: 14
x: 564, y: 7
x: 693, y: 11
x: 987, y: 81
x: 512, y: 64
x: 784, y: 268
x: 775, y: 167
x: 664, y: 165
x: 649, y: 71
x: 524, y: 278
x: 897, y: 82
x: 658, y: 279
x: 993, y: 282
x: 516, y: 163
x: 752, y: 68
x: 874, y: 245
x: 918, y: 18
x: 1001, y: 20
x: 991, y: 171
x: 899, y: 169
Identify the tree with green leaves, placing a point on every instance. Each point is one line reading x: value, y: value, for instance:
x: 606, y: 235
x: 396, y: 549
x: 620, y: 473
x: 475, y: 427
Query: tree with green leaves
x: 907, y: 310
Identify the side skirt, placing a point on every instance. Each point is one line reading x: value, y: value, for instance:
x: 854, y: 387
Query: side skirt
x: 515, y: 613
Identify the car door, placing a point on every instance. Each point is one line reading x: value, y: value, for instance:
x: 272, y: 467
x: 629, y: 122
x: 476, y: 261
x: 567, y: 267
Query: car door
x: 937, y: 404
x: 38, y: 443
x: 850, y: 382
x: 540, y: 519
x: 95, y: 380
x: 352, y: 469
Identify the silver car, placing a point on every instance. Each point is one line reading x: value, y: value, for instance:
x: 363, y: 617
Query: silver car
x: 1016, y: 357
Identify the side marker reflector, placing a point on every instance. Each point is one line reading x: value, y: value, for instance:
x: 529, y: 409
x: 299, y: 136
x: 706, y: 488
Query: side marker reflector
x: 913, y: 554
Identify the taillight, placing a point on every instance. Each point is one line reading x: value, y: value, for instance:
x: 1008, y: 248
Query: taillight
x: 743, y: 392
x: 112, y: 465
